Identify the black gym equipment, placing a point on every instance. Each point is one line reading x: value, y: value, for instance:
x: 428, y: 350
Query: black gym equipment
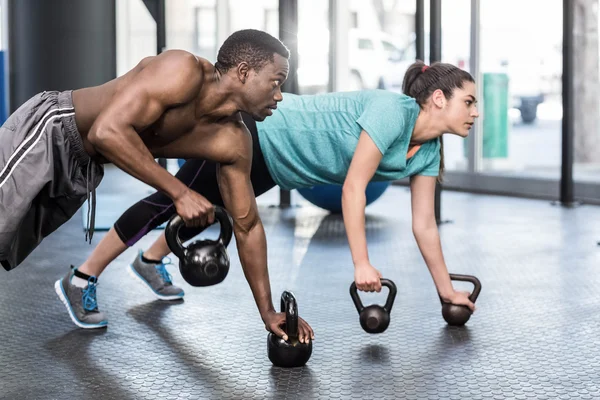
x: 374, y: 318
x: 291, y: 353
x: 203, y: 262
x: 456, y: 315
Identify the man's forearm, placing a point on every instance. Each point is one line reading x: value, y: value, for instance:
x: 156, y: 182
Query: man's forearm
x: 127, y: 151
x: 428, y: 240
x: 252, y: 248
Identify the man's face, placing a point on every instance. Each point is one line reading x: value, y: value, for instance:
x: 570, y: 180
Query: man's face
x: 263, y: 88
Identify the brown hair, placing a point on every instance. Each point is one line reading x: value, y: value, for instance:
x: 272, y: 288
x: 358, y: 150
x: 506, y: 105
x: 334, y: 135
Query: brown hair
x: 420, y: 81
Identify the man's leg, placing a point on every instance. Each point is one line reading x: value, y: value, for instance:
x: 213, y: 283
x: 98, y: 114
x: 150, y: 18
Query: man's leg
x: 77, y: 290
x: 159, y: 249
x: 109, y: 248
x: 27, y: 170
x: 43, y: 184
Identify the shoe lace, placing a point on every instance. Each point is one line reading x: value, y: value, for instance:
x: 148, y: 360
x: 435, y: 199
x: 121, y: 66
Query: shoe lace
x: 89, y: 295
x: 162, y: 270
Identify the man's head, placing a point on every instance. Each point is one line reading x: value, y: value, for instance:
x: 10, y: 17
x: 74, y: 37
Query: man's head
x: 260, y: 63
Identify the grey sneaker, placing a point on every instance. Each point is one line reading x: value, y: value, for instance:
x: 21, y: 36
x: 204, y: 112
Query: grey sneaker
x: 81, y: 303
x: 156, y: 278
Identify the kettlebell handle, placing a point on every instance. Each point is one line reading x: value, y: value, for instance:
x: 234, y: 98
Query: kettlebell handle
x: 176, y: 222
x: 290, y: 307
x: 467, y: 278
x: 226, y: 224
x: 390, y: 299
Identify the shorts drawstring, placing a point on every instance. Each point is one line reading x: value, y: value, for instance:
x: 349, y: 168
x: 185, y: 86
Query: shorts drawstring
x: 91, y: 222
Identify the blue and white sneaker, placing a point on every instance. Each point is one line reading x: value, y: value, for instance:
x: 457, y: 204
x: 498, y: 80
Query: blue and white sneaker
x: 81, y: 302
x: 156, y: 278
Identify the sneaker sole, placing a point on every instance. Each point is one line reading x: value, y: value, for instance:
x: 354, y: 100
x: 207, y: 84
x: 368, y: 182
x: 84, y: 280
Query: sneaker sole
x: 141, y: 280
x: 61, y: 295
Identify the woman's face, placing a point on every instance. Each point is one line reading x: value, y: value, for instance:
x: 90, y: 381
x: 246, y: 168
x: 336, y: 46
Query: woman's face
x: 461, y: 110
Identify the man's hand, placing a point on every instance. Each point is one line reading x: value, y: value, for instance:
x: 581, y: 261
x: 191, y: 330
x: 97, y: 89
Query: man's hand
x: 367, y: 278
x: 194, y: 209
x: 273, y: 322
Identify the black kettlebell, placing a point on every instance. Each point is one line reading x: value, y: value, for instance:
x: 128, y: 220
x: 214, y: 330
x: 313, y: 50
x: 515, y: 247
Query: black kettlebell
x: 374, y: 318
x: 203, y: 262
x: 456, y: 315
x: 291, y: 353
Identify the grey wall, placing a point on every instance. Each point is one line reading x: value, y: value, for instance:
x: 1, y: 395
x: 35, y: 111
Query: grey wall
x: 59, y: 45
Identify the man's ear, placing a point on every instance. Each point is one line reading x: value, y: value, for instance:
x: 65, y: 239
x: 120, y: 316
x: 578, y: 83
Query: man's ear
x: 243, y: 71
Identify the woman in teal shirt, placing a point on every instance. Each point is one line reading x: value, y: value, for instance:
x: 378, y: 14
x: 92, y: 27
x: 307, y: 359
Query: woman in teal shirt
x: 335, y: 138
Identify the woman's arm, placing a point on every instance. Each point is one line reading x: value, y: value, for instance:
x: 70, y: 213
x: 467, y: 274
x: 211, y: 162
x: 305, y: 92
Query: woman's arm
x: 364, y: 163
x: 425, y: 229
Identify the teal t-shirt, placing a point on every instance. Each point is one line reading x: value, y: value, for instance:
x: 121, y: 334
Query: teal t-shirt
x: 310, y: 140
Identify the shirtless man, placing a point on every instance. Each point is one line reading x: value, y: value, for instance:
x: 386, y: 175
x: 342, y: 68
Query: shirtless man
x: 174, y: 105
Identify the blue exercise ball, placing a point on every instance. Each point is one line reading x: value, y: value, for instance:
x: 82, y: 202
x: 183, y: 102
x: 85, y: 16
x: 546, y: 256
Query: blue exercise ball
x: 329, y: 197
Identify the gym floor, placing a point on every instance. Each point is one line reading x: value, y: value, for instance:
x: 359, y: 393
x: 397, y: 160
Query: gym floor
x: 534, y: 335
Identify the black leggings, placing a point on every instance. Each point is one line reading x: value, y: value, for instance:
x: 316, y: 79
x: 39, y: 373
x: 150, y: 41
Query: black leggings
x: 198, y: 175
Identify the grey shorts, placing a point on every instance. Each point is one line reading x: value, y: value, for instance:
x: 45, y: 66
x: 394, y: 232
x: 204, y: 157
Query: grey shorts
x: 45, y: 173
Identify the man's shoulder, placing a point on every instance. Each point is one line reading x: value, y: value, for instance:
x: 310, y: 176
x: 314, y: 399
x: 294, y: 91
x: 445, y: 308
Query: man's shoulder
x: 179, y: 63
x: 179, y: 55
x: 236, y: 138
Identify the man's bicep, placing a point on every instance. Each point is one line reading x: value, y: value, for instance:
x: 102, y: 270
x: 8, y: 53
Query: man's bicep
x: 238, y: 196
x: 236, y: 188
